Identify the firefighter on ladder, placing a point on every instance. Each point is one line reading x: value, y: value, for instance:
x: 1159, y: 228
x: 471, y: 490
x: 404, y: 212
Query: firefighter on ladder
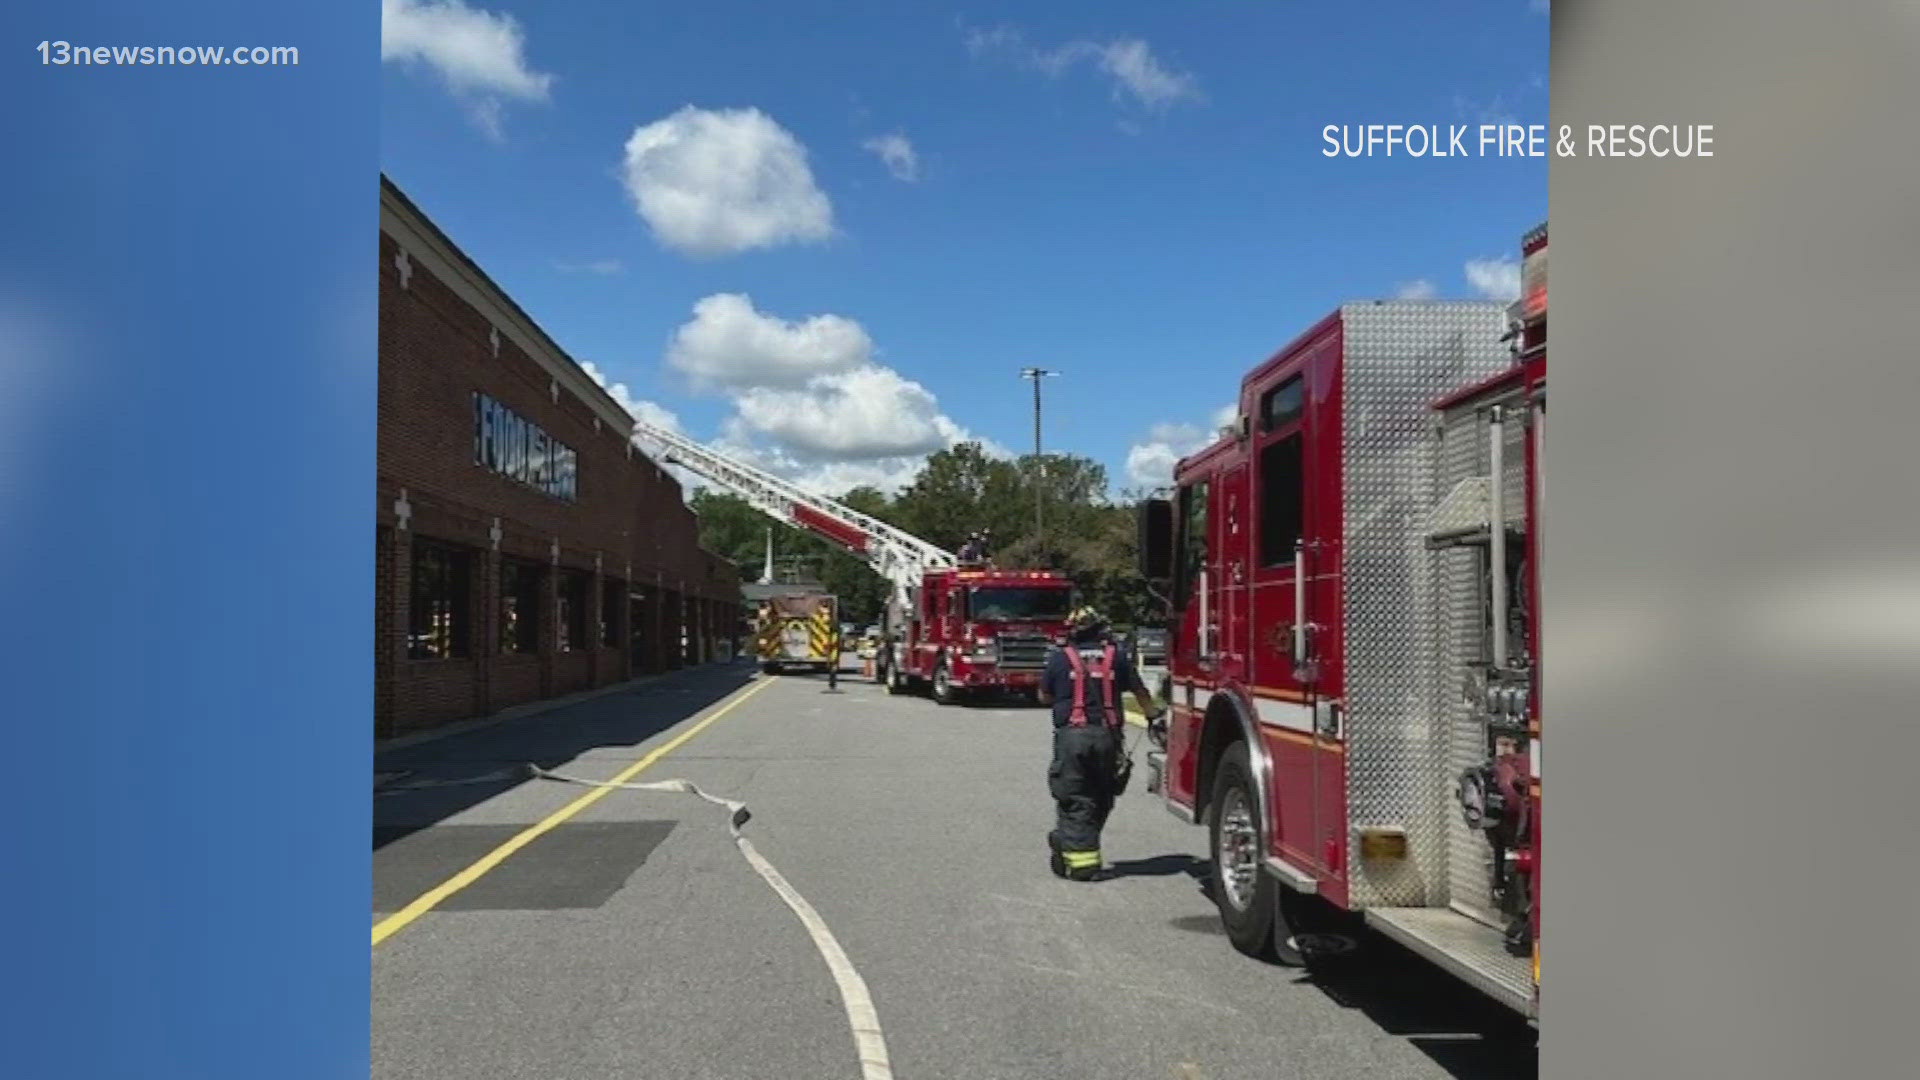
x: 1083, y: 682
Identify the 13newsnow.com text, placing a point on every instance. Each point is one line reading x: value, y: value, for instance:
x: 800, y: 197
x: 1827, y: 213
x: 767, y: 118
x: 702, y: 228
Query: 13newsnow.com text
x: 67, y: 54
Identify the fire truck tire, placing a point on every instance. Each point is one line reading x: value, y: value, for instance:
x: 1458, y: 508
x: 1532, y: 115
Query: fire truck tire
x: 1248, y: 905
x: 943, y: 691
x: 896, y: 679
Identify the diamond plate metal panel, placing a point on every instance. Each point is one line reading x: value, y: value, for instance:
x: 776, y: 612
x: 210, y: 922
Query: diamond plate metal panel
x: 1464, y: 510
x: 1465, y: 640
x: 1471, y: 951
x: 1401, y: 357
x: 1463, y: 643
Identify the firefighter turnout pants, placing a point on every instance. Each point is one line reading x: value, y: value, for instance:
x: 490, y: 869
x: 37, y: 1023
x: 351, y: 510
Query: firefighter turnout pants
x: 1084, y: 783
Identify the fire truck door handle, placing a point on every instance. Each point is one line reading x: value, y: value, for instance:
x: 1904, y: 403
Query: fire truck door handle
x: 1206, y: 617
x: 1300, y: 642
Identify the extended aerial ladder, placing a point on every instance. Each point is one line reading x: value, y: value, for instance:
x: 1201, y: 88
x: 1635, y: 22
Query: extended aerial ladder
x: 896, y: 555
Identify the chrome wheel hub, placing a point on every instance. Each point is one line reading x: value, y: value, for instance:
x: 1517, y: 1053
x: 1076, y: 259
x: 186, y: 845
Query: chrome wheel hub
x: 1238, y: 850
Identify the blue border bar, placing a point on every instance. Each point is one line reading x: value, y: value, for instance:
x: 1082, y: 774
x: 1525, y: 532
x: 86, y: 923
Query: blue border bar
x: 187, y: 393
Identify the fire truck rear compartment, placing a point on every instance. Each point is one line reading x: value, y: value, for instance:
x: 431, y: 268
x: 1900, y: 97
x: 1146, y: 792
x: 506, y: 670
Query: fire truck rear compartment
x: 1399, y: 641
x: 1460, y: 537
x: 1416, y: 635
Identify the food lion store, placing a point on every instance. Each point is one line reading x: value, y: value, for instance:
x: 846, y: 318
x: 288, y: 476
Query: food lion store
x: 526, y: 549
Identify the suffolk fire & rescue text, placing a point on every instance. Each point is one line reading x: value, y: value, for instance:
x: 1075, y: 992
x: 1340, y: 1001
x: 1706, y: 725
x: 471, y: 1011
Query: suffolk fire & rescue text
x: 1429, y: 140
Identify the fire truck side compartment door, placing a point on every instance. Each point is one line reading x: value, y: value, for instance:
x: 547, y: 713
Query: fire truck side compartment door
x: 1232, y: 536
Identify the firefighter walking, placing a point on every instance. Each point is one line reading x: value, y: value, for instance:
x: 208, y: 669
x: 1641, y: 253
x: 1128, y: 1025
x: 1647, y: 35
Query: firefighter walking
x: 1083, y: 682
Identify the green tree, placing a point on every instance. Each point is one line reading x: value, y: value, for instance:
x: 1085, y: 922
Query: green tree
x: 732, y: 528
x: 960, y: 490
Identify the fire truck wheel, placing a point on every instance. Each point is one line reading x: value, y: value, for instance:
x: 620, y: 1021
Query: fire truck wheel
x: 896, y: 679
x: 1241, y: 889
x: 943, y: 691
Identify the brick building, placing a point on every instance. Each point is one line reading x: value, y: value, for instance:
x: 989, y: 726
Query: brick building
x: 526, y: 548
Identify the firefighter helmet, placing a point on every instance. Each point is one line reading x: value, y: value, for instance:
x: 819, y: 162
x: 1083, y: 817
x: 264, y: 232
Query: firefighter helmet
x: 1085, y: 621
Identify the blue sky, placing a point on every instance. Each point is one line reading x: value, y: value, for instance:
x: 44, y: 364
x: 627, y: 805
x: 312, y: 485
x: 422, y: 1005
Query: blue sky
x: 828, y: 236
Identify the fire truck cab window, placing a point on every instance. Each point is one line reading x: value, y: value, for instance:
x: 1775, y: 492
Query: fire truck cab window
x: 1281, y: 495
x: 1281, y: 405
x: 1191, y: 554
x: 1008, y: 604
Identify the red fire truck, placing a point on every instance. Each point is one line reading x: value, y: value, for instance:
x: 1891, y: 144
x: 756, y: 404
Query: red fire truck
x: 1354, y: 680
x: 954, y: 628
x: 968, y: 630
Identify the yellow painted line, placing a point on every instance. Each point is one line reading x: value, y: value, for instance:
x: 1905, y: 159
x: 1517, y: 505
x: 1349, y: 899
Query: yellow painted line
x: 398, y: 921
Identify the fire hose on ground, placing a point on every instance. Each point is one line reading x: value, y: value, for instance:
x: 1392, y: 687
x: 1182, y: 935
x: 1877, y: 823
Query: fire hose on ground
x: 862, y: 1018
x: 861, y: 1015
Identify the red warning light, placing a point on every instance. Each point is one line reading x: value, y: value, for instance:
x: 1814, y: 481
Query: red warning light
x: 1533, y: 279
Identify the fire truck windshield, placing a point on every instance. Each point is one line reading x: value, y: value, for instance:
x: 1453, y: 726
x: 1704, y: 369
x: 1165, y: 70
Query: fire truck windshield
x: 1008, y: 604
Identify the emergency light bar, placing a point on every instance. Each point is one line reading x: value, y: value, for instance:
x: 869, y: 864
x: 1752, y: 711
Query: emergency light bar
x: 1533, y: 285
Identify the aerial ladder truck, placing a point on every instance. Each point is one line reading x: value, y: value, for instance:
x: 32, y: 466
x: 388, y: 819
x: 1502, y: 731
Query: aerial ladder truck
x: 953, y: 628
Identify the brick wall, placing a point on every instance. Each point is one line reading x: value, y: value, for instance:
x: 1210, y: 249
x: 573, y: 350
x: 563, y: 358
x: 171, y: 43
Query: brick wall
x: 436, y: 350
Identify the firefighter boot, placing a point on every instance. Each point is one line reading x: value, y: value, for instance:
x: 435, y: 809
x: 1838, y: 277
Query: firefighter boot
x: 1056, y: 861
x: 1080, y: 865
x: 1084, y: 873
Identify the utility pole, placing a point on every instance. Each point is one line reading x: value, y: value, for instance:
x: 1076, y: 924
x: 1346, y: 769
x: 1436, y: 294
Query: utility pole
x: 1039, y: 466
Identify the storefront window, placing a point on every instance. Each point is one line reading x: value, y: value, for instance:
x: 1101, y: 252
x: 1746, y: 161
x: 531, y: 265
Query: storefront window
x: 520, y: 584
x: 612, y: 599
x: 573, y: 611
x: 438, y: 626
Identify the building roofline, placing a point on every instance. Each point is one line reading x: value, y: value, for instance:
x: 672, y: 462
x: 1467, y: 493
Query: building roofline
x: 425, y: 241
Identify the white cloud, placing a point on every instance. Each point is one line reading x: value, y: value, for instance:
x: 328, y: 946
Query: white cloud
x: 1129, y: 63
x: 1150, y: 462
x: 1495, y: 279
x: 479, y: 55
x: 1421, y: 289
x: 870, y: 412
x: 811, y: 404
x: 728, y: 343
x: 1150, y: 465
x: 897, y: 153
x: 651, y: 412
x: 720, y: 182
x: 1133, y: 65
x: 830, y: 478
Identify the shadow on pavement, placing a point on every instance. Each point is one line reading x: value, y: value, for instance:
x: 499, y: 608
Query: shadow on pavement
x: 1160, y: 866
x: 432, y: 781
x: 1466, y: 1033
